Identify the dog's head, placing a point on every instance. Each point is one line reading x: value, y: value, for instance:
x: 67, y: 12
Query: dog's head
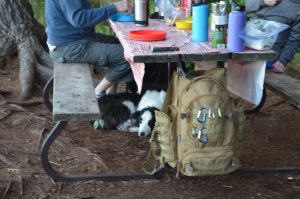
x: 144, y: 116
x: 145, y: 119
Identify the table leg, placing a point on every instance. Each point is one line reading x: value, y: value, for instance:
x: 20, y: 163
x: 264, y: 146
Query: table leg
x: 56, y: 176
x: 180, y: 69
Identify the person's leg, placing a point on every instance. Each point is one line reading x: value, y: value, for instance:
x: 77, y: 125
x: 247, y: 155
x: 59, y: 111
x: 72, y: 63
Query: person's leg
x: 100, y: 55
x: 118, y: 67
x: 79, y: 52
x: 112, y: 89
x: 103, y: 88
x: 99, y: 37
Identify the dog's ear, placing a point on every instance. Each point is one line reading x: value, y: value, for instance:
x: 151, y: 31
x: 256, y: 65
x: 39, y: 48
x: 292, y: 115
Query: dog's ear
x: 136, y: 115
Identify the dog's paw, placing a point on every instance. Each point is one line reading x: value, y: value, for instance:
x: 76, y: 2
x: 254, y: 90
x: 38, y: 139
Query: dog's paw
x: 134, y: 129
x: 98, y: 124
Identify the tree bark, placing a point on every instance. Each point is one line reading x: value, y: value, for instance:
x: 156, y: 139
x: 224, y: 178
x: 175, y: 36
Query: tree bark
x: 21, y: 33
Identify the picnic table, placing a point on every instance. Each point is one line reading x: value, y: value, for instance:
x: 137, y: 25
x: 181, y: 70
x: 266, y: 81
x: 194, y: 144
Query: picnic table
x: 74, y: 99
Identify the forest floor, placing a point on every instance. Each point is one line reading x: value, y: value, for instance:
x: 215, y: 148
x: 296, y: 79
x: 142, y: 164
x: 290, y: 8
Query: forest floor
x: 272, y: 140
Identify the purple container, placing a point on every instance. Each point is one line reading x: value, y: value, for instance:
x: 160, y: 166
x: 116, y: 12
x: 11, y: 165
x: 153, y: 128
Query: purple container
x: 236, y: 24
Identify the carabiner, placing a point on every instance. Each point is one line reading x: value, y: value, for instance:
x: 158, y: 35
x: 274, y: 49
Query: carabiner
x: 201, y: 111
x: 203, y: 139
x: 210, y: 113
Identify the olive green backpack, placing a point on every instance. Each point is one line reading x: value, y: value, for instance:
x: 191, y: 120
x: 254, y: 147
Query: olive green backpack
x: 200, y: 128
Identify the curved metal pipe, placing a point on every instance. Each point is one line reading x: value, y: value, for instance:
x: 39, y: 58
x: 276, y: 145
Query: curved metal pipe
x: 46, y: 91
x: 56, y: 176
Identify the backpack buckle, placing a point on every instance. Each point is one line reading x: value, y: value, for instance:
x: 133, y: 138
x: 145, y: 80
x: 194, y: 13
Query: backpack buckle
x: 183, y: 115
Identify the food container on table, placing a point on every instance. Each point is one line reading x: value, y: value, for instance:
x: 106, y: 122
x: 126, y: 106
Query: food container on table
x: 122, y: 17
x: 184, y: 24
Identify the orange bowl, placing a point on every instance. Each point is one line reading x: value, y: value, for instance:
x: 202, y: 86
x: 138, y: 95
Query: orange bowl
x: 147, y: 35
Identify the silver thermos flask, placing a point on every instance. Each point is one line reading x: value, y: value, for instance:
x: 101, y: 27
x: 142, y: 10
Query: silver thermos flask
x: 141, y: 12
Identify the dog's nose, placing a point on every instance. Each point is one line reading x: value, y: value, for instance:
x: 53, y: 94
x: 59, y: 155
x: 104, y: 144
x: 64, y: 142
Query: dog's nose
x: 142, y: 134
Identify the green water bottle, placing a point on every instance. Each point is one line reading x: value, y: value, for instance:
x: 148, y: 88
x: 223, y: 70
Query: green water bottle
x: 218, y: 38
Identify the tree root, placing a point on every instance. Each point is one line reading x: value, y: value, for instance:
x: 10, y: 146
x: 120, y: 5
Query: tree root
x: 42, y: 133
x: 31, y: 69
x: 2, y: 72
x: 20, y: 180
x: 20, y: 32
x: 4, y: 92
x: 27, y: 62
x: 6, y: 114
x: 8, y: 186
x: 8, y: 162
x: 26, y: 104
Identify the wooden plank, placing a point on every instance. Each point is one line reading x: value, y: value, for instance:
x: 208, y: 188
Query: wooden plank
x: 205, y: 57
x: 253, y: 55
x: 285, y: 86
x: 73, y: 93
x: 162, y: 58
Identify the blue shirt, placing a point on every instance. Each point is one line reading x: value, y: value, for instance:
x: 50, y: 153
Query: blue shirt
x: 73, y: 20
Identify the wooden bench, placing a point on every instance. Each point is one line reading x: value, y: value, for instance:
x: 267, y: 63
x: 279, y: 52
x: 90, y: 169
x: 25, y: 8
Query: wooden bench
x: 74, y: 100
x: 285, y: 86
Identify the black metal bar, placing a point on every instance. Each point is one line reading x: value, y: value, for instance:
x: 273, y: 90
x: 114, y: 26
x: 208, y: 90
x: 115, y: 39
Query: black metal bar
x: 46, y: 92
x: 268, y: 170
x: 104, y: 177
x: 169, y: 72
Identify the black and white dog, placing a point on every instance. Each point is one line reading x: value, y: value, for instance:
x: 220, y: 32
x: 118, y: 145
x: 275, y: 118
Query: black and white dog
x: 152, y: 100
x: 131, y: 112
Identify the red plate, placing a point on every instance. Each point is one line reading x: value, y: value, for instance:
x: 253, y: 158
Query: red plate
x: 147, y: 35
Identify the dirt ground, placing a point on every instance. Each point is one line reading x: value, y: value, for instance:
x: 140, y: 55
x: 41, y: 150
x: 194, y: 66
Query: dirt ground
x: 272, y: 140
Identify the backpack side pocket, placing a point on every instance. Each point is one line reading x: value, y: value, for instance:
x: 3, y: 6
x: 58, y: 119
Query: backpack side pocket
x: 162, y: 142
x: 239, y: 120
x: 164, y: 137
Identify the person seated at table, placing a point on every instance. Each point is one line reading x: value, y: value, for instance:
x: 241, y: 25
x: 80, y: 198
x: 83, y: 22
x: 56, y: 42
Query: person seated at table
x: 283, y: 11
x: 72, y: 38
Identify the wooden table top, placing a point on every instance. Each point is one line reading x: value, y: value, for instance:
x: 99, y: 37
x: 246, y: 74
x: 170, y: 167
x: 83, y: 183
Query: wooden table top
x: 139, y: 51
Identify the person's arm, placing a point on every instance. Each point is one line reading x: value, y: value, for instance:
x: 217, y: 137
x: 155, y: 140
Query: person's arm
x: 255, y: 5
x: 83, y: 18
x: 292, y: 45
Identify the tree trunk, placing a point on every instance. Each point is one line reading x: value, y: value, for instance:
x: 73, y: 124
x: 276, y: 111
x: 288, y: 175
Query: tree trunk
x: 21, y: 33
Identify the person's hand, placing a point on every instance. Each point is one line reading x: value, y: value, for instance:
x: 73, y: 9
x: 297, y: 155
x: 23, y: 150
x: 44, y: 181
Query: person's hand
x: 271, y: 2
x: 278, y: 67
x: 123, y: 6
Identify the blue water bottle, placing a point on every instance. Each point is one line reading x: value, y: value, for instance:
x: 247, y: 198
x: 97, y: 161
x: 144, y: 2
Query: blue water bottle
x: 200, y: 22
